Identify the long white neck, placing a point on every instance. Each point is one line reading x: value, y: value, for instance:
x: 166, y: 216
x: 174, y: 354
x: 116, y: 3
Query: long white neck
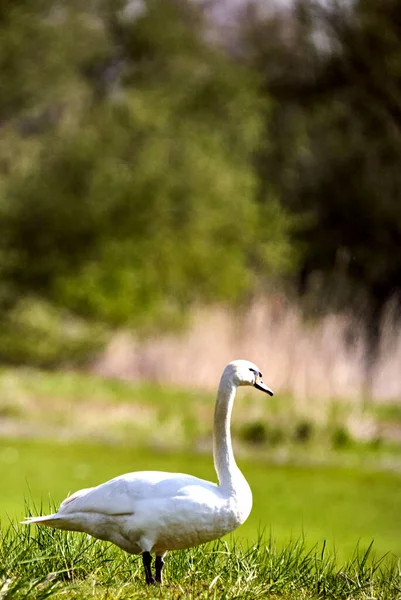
x: 230, y: 477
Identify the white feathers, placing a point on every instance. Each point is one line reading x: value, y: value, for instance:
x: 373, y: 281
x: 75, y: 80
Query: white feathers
x: 153, y: 511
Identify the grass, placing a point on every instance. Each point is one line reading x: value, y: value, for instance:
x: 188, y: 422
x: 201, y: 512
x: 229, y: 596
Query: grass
x: 38, y: 563
x: 72, y: 405
x: 77, y: 405
x: 319, y: 508
x: 342, y: 506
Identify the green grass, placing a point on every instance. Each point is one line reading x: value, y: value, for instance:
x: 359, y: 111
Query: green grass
x: 387, y: 412
x: 342, y: 506
x: 73, y: 405
x: 76, y: 387
x: 67, y: 404
x: 38, y: 563
x: 64, y: 431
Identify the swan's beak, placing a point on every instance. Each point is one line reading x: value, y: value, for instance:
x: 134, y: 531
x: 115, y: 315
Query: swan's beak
x: 259, y: 385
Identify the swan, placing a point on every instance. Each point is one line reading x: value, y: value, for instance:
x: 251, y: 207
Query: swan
x: 153, y: 512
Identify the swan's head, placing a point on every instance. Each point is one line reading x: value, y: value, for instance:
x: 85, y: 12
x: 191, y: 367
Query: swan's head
x: 243, y: 372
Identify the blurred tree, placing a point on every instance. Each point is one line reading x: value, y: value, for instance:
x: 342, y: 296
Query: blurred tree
x: 333, y: 74
x: 140, y: 198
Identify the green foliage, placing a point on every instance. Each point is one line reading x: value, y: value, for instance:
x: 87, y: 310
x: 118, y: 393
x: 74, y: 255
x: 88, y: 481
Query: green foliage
x: 37, y: 333
x: 144, y: 167
x: 141, y: 198
x: 387, y: 412
x: 341, y: 437
x: 332, y: 148
x: 258, y: 433
x: 304, y: 431
x: 254, y: 432
x: 43, y: 48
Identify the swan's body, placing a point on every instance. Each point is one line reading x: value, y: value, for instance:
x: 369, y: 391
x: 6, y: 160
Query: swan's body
x: 154, y: 511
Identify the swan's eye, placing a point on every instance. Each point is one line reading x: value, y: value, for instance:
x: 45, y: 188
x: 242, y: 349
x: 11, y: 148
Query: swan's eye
x: 257, y: 373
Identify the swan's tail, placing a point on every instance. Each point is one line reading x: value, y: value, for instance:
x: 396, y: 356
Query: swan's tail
x: 49, y: 520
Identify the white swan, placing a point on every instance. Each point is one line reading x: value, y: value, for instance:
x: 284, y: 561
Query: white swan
x: 153, y: 511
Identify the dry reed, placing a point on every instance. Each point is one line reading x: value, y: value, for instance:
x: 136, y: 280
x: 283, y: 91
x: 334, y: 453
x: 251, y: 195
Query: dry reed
x: 308, y: 360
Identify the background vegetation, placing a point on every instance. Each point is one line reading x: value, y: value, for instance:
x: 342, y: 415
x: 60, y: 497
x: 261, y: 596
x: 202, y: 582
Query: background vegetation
x: 152, y: 158
x: 211, y: 179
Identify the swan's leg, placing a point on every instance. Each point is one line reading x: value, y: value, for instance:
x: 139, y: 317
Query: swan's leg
x: 147, y: 563
x: 159, y: 569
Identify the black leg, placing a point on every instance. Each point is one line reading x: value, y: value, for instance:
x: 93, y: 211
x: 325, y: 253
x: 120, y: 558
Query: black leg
x: 147, y: 563
x: 159, y: 569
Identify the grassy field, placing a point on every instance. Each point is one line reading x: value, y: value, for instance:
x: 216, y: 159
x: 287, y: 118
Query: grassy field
x: 343, y: 507
x: 42, y: 563
x: 316, y: 507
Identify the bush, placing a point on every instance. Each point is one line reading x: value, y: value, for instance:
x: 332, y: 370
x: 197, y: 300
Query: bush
x: 303, y: 432
x: 38, y: 334
x: 258, y: 433
x: 341, y: 437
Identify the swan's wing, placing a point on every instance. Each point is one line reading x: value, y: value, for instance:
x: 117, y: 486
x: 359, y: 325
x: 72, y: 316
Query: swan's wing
x: 114, y: 497
x: 119, y: 496
x: 74, y: 496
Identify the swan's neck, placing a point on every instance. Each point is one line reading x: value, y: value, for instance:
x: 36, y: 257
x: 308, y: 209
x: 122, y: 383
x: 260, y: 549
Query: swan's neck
x: 230, y: 477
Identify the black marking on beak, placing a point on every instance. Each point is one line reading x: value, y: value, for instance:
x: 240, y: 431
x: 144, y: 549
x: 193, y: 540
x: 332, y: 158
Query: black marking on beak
x: 259, y: 385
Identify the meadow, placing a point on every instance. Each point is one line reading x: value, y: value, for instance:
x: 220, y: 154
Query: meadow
x: 338, y: 507
x: 316, y: 511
